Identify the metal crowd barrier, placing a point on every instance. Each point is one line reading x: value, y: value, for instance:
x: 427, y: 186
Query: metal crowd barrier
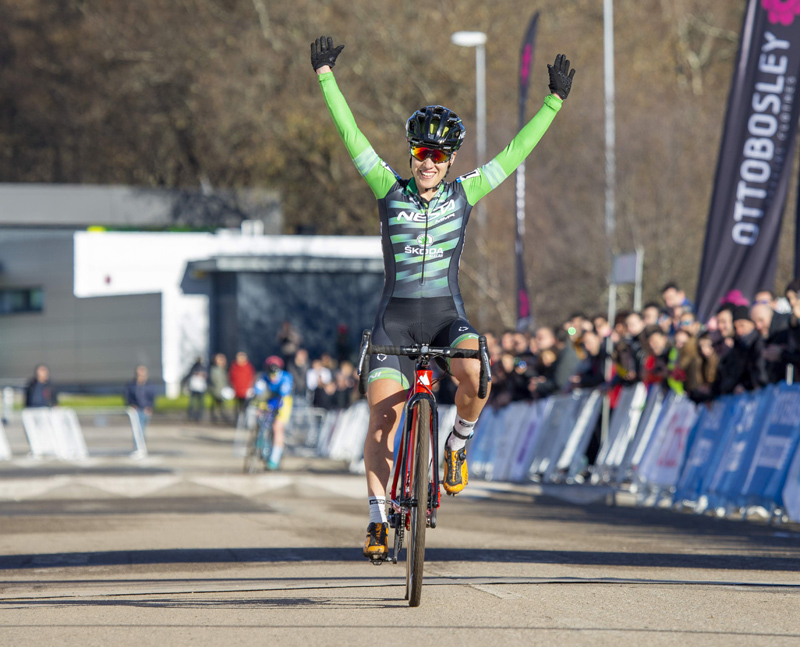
x: 735, y: 456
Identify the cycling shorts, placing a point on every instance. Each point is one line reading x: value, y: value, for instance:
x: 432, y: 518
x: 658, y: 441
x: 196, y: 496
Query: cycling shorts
x: 434, y: 321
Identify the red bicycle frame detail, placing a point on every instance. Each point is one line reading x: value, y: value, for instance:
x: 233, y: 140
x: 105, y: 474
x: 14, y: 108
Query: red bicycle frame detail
x: 404, y: 463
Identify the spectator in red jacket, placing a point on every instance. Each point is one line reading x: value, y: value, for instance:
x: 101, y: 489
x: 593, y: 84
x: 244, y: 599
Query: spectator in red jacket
x: 241, y: 376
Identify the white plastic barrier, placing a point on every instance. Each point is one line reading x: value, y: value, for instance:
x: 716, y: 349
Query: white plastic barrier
x: 58, y: 433
x: 54, y: 433
x: 5, y: 450
x: 557, y: 424
x: 348, y: 436
x: 571, y: 461
x: 665, y: 454
x: 139, y: 444
x: 653, y: 409
x: 621, y: 431
x: 326, y: 431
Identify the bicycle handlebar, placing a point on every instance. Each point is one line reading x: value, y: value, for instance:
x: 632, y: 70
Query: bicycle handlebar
x: 416, y: 350
x: 424, y: 349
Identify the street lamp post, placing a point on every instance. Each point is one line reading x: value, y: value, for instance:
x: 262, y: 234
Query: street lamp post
x: 477, y: 39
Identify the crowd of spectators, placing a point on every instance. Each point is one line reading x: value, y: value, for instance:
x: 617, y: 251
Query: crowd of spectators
x: 329, y: 381
x: 744, y: 346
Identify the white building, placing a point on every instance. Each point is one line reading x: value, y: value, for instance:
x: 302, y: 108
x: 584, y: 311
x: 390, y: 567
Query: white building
x: 92, y: 305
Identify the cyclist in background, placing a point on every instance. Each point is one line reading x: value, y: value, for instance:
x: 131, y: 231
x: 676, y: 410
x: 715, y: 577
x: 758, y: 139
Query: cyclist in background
x: 423, y: 222
x: 274, y: 387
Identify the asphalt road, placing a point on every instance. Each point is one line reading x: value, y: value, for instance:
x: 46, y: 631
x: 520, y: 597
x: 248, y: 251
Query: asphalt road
x: 182, y: 549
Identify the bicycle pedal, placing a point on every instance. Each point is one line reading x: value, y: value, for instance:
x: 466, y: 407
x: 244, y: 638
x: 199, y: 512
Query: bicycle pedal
x: 376, y: 561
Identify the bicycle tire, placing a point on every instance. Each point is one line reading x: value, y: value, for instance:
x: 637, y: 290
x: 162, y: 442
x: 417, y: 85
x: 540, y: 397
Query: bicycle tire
x: 250, y: 457
x: 415, y: 559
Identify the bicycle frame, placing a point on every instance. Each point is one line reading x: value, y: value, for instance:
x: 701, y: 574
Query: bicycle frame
x: 401, y: 502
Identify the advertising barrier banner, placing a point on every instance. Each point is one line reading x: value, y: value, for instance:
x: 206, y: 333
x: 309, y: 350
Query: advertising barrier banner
x: 748, y: 418
x: 665, y: 456
x: 778, y: 441
x: 755, y: 159
x: 710, y: 434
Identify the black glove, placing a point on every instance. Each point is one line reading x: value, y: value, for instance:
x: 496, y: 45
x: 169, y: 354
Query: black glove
x: 323, y: 53
x: 560, y: 76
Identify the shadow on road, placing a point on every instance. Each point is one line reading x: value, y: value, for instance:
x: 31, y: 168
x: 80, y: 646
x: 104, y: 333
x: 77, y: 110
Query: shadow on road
x: 432, y: 555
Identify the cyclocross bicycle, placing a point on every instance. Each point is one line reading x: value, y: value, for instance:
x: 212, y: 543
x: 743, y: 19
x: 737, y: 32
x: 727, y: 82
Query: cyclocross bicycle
x: 415, y: 495
x: 259, y: 445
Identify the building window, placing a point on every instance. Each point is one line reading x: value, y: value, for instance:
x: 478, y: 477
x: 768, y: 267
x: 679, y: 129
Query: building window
x: 16, y: 300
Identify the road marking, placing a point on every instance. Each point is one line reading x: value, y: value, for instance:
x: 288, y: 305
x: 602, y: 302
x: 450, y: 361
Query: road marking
x: 243, y: 485
x: 493, y: 590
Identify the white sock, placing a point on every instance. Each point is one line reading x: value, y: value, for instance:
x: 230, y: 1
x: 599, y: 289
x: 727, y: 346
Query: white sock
x: 377, y: 509
x: 275, y: 455
x: 463, y: 427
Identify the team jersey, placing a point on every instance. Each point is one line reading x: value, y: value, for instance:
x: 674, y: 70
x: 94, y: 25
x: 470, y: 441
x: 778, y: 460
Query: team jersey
x: 274, y: 390
x: 422, y: 241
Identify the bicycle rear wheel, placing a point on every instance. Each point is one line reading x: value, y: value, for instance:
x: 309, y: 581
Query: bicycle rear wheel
x: 415, y: 558
x: 252, y: 457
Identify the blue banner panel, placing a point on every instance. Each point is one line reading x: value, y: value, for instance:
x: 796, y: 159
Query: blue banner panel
x: 750, y: 416
x: 710, y: 434
x: 777, y: 444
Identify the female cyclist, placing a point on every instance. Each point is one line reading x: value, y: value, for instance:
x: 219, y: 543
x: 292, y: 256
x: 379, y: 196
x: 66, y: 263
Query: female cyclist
x: 423, y: 221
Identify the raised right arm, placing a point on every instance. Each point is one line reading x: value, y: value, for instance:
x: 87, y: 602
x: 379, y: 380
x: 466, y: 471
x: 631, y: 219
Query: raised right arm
x: 379, y: 177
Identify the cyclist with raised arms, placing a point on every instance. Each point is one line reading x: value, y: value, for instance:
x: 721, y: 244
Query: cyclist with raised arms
x: 274, y: 388
x: 423, y: 221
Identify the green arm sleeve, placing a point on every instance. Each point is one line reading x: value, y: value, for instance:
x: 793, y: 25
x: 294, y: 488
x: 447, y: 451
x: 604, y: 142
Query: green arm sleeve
x: 489, y: 176
x: 379, y: 178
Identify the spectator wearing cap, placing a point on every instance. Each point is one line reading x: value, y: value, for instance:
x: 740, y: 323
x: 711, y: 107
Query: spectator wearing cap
x: 734, y: 298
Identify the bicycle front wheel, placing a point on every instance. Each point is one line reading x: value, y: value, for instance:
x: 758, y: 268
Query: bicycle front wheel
x: 415, y: 560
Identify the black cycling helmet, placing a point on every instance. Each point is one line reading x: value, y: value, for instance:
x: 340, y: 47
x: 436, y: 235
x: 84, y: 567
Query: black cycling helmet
x: 437, y: 127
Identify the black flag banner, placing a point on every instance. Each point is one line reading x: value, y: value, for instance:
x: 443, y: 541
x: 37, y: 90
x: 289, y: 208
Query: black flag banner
x: 755, y: 158
x: 524, y: 315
